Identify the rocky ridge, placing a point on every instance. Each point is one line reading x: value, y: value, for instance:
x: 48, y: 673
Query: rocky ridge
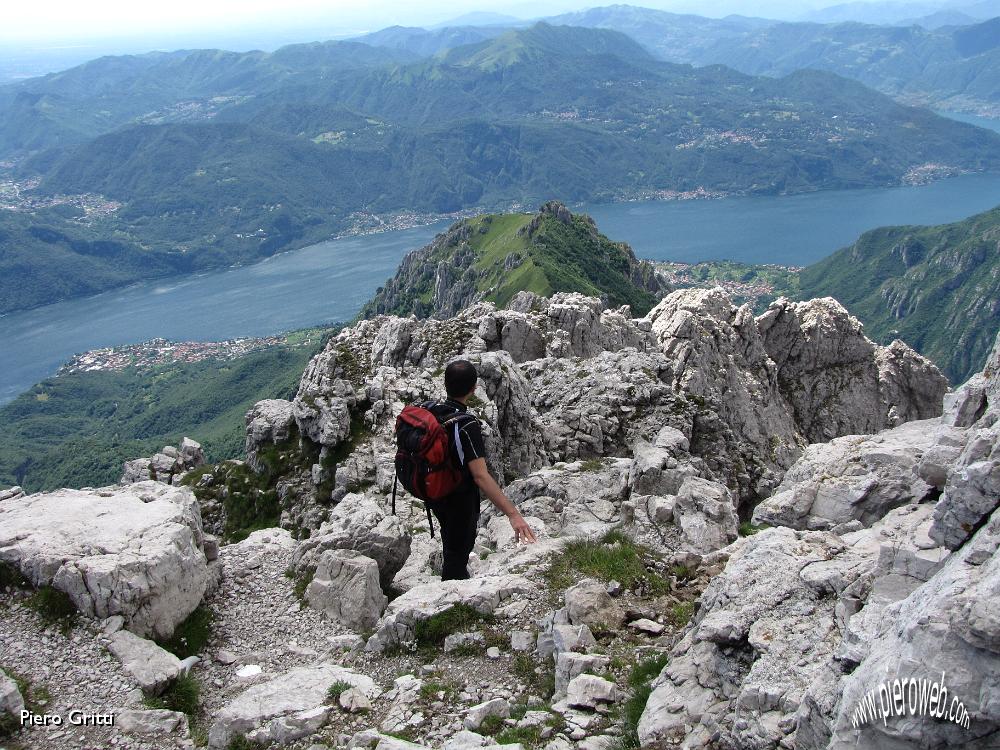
x: 639, y: 440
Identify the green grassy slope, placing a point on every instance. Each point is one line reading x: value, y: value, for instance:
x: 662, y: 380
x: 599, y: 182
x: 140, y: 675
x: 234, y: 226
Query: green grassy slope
x: 76, y: 430
x: 495, y: 256
x: 937, y: 288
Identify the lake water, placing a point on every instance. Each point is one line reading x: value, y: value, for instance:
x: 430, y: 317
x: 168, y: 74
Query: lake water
x: 330, y: 281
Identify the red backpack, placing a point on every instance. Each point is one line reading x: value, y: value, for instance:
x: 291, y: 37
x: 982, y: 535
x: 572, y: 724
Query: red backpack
x: 425, y: 463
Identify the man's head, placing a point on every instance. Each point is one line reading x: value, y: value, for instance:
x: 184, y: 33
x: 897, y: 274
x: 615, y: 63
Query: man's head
x: 460, y: 379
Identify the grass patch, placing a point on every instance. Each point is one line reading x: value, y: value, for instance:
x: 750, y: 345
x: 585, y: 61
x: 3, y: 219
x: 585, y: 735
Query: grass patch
x: 301, y: 581
x: 54, y: 607
x: 592, y: 464
x: 239, y: 742
x: 491, y: 725
x: 527, y: 736
x: 613, y: 558
x: 191, y: 636
x: 183, y: 695
x: 640, y: 681
x: 681, y: 613
x: 747, y: 528
x: 430, y: 633
x: 438, y: 690
x: 682, y: 572
x: 333, y: 692
x: 527, y: 671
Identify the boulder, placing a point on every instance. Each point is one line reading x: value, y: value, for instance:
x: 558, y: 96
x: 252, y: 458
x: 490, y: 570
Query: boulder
x: 570, y: 664
x: 269, y: 422
x: 154, y: 722
x: 852, y: 478
x: 589, y: 603
x: 11, y: 700
x: 346, y: 588
x: 152, y: 667
x: 705, y: 512
x: 485, y: 594
x: 358, y: 523
x: 134, y: 551
x: 286, y: 708
x: 590, y: 691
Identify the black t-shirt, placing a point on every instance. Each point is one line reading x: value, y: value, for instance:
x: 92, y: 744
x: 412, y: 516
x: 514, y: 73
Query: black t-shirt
x: 470, y: 444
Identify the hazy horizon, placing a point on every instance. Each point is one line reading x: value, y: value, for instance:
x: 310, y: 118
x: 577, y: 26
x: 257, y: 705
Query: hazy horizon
x: 62, y: 23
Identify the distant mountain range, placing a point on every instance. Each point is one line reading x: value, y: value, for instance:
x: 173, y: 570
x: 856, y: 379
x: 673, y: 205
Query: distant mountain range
x: 948, y: 68
x: 218, y: 158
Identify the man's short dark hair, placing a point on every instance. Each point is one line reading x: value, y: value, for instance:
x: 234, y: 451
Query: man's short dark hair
x: 460, y: 378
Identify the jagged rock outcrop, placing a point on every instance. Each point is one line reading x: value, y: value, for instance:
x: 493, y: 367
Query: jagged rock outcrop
x: 167, y: 466
x: 586, y: 383
x: 791, y: 644
x: 135, y: 551
x: 839, y: 382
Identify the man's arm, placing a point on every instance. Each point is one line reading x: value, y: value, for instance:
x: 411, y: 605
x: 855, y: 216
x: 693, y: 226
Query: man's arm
x: 481, y: 475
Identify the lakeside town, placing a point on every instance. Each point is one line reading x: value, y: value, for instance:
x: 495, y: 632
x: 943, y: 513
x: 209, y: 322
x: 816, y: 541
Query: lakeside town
x: 757, y: 284
x: 158, y: 352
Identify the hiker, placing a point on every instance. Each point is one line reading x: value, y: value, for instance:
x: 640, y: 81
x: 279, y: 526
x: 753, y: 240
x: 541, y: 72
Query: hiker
x: 456, y: 506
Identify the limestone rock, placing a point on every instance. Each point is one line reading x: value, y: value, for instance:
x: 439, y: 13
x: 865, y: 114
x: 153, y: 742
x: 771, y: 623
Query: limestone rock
x: 836, y: 380
x: 269, y: 422
x: 856, y: 477
x: 590, y: 691
x: 358, y: 523
x: 134, y: 551
x: 11, y: 700
x: 705, y: 512
x: 962, y: 648
x: 589, y: 603
x: 476, y: 715
x: 155, y: 722
x: 167, y: 466
x: 484, y: 594
x: 11, y: 493
x: 151, y: 666
x: 346, y: 588
x: 286, y: 708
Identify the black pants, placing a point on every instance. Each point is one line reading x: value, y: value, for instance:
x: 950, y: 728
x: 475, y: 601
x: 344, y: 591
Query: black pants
x: 458, y: 519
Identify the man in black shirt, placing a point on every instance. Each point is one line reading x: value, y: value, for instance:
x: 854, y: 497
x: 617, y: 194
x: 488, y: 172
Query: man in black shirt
x: 458, y: 513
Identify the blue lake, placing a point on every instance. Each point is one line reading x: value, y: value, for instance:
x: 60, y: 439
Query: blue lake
x: 330, y: 281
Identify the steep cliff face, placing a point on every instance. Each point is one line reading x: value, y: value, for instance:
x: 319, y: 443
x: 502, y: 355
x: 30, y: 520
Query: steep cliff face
x: 937, y: 288
x: 492, y: 257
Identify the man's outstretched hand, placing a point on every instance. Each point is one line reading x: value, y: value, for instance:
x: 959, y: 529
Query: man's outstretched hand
x: 522, y: 532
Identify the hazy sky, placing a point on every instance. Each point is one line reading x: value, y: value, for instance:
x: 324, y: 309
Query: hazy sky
x: 75, y: 19
x: 160, y: 22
